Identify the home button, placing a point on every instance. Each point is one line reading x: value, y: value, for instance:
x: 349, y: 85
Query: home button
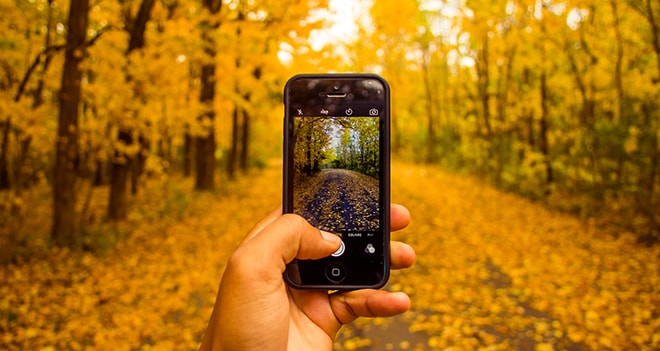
x: 335, y: 272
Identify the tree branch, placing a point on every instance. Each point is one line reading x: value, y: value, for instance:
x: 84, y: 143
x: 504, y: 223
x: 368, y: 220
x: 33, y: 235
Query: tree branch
x: 48, y: 51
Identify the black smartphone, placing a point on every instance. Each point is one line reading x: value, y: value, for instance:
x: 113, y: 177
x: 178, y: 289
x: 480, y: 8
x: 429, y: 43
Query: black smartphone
x: 337, y: 175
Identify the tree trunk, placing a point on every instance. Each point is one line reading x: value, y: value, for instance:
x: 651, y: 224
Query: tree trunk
x: 431, y: 138
x: 138, y: 163
x: 543, y: 139
x: 137, y: 42
x: 245, y: 133
x: 232, y: 157
x: 205, y: 162
x: 245, y: 141
x: 64, y: 199
x: 205, y: 152
x: 655, y: 31
x: 4, y: 160
x: 121, y: 166
x: 483, y: 75
x: 117, y: 205
x: 618, y: 65
x: 188, y: 153
x: 205, y: 145
x: 118, y: 202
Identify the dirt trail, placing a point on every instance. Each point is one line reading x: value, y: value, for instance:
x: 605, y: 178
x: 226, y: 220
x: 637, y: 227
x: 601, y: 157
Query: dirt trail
x: 347, y: 199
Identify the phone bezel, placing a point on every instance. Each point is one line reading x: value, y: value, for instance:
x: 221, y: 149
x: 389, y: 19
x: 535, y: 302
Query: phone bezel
x: 317, y: 100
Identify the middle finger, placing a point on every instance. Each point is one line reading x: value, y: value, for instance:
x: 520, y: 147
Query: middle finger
x: 402, y: 255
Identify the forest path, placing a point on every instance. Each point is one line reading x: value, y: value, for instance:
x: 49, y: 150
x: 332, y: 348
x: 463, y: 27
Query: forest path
x: 498, y: 272
x: 494, y: 272
x: 343, y: 197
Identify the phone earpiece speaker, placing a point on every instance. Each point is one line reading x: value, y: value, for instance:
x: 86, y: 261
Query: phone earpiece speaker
x: 336, y: 95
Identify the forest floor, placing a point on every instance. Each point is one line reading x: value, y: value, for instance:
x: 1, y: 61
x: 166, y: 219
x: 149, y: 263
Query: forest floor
x: 494, y: 272
x: 345, y: 198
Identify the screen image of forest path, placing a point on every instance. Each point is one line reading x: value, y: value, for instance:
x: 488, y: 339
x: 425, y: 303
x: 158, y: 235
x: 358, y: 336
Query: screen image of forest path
x: 494, y: 272
x: 339, y: 200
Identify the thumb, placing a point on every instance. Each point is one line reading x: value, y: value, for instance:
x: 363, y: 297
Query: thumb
x: 288, y: 237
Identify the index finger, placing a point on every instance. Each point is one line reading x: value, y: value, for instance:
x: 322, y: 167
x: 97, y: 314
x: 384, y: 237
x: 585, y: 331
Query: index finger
x: 270, y: 218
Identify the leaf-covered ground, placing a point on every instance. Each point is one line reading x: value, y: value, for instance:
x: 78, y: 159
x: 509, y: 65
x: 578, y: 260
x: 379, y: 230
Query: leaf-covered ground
x: 494, y: 272
x: 497, y: 272
x: 339, y: 200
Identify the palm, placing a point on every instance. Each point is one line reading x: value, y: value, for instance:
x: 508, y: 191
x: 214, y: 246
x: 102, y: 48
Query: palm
x: 310, y: 315
x: 256, y: 310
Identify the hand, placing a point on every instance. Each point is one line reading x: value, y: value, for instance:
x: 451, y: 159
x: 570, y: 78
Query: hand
x: 256, y: 310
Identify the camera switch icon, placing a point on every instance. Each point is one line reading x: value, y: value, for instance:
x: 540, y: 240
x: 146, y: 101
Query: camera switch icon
x: 373, y: 112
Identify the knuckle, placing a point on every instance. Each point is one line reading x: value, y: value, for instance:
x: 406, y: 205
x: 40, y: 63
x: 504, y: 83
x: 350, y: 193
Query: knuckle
x: 293, y: 220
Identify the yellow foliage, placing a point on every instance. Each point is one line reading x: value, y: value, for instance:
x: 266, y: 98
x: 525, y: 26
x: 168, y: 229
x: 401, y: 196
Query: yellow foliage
x: 493, y: 268
x: 155, y: 290
x: 544, y: 347
x: 510, y: 267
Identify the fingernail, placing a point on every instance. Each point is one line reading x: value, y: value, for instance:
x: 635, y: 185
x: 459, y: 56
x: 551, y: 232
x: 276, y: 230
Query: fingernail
x: 330, y: 237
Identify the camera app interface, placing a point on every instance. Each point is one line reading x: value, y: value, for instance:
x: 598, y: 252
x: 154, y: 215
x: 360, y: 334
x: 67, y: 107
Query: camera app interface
x: 336, y: 173
x: 336, y: 187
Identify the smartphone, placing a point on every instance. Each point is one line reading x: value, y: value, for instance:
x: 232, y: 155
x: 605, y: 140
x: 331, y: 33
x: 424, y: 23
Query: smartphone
x: 337, y: 175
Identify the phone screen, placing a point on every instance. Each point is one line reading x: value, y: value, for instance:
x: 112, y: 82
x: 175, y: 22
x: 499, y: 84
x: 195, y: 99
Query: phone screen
x: 337, y: 177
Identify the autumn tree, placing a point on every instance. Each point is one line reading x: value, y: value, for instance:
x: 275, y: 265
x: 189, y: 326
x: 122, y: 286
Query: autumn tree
x: 646, y: 137
x: 206, y: 144
x: 240, y: 118
x: 12, y: 173
x: 524, y: 93
x: 527, y: 94
x: 393, y: 52
x: 361, y: 136
x: 312, y: 138
x: 124, y: 161
x: 250, y: 51
x: 64, y: 192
